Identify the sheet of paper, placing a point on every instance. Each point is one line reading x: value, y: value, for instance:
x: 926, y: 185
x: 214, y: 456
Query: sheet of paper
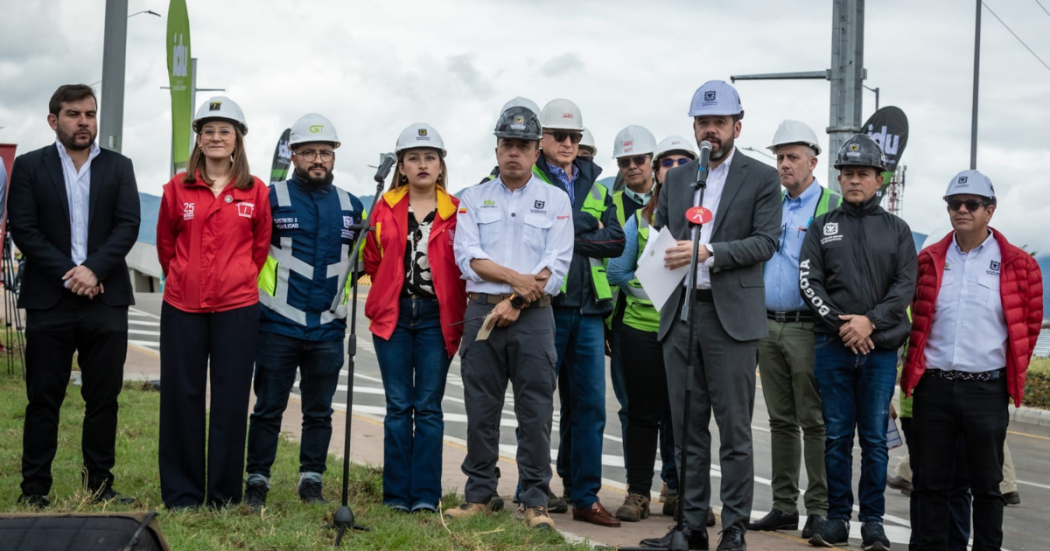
x: 657, y: 280
x: 485, y: 331
x: 893, y: 436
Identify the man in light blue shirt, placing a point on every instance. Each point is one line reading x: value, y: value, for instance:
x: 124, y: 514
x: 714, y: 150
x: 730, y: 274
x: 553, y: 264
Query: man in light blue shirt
x: 786, y: 356
x: 513, y: 243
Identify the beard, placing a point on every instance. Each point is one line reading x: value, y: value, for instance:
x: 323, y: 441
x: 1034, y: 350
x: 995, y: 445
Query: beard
x: 304, y: 175
x: 724, y: 148
x: 69, y: 141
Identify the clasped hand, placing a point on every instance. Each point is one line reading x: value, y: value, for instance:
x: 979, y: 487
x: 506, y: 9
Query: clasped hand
x: 83, y: 281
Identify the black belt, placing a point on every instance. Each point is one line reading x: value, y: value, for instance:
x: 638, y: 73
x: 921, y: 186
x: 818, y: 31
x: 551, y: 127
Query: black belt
x: 784, y: 317
x: 702, y: 295
x: 993, y: 375
x: 485, y: 298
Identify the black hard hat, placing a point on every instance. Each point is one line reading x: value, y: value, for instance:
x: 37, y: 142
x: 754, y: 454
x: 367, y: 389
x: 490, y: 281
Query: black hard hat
x: 861, y: 150
x: 520, y: 123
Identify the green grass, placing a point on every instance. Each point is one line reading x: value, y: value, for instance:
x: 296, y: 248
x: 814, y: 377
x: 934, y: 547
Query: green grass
x: 287, y: 524
x: 1037, y: 387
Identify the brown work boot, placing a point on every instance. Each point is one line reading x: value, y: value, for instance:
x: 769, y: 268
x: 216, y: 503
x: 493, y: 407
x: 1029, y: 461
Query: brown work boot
x: 634, y: 509
x: 466, y: 510
x: 537, y: 517
x: 595, y: 514
x: 663, y: 493
x: 671, y: 506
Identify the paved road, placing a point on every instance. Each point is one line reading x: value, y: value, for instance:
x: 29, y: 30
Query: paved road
x: 1026, y: 526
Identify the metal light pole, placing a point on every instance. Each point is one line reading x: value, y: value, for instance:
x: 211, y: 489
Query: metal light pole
x: 846, y: 74
x: 114, y: 52
x: 976, y: 86
x: 876, y: 90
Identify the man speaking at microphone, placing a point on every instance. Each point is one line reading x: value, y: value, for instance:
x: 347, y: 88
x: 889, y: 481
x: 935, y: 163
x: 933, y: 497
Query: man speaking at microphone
x: 729, y: 308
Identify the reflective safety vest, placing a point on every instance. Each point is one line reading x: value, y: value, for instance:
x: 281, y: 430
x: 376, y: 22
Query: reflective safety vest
x: 829, y: 200
x: 593, y: 204
x: 309, y: 253
x: 640, y: 312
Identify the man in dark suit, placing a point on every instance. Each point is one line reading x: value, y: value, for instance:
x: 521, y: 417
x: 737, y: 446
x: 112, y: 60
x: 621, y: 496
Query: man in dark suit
x: 74, y: 214
x: 729, y: 308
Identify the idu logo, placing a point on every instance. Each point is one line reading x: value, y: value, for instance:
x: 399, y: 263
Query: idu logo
x: 283, y: 151
x: 179, y: 61
x: 889, y: 142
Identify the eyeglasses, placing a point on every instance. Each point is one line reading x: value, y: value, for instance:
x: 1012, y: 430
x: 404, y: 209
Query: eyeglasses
x: 971, y: 204
x: 311, y: 154
x: 638, y: 160
x: 224, y: 134
x: 560, y: 136
x: 668, y: 163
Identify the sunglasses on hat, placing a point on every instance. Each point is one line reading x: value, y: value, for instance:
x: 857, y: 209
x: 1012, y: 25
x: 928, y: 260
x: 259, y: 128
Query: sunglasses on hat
x: 559, y: 136
x: 638, y: 160
x: 672, y: 162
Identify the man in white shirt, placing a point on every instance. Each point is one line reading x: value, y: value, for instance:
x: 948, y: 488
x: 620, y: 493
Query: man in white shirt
x: 514, y: 242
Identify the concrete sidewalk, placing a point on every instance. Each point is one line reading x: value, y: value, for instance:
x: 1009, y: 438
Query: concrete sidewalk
x: 366, y: 446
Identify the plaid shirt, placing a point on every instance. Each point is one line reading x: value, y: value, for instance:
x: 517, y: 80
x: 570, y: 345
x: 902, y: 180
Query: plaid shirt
x: 565, y: 181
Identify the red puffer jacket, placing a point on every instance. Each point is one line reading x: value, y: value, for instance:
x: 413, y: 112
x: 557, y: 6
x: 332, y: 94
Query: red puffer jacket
x: 1021, y: 289
x: 384, y: 257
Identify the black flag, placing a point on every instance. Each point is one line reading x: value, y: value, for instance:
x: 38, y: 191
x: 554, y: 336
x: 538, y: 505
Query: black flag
x: 282, y: 158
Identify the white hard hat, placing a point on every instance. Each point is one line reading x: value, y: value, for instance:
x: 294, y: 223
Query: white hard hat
x: 634, y: 140
x: 521, y: 102
x: 313, y: 128
x: 220, y: 107
x: 561, y: 114
x: 970, y: 182
x: 420, y: 134
x: 717, y: 98
x: 588, y: 141
x: 794, y: 132
x: 675, y: 143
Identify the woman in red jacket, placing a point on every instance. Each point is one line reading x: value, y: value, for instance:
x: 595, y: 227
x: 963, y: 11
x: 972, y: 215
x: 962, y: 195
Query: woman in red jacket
x: 417, y: 294
x: 213, y: 236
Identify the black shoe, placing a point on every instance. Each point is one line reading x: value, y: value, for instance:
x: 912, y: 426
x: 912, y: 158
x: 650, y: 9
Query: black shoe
x: 310, y: 491
x: 814, y: 524
x: 873, y: 537
x: 37, y: 501
x: 1012, y: 498
x: 835, y: 532
x: 775, y: 520
x: 711, y: 517
x: 732, y: 540
x: 112, y: 496
x: 556, y: 504
x: 697, y: 540
x: 255, y: 494
x: 496, y: 502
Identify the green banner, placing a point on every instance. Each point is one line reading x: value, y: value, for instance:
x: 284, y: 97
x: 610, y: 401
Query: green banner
x: 181, y: 81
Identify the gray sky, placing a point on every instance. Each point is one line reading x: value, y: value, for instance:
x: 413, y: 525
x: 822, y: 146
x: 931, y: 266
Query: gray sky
x: 374, y: 67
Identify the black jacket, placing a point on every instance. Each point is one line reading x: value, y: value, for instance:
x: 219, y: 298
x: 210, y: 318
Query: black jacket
x: 860, y: 259
x: 38, y: 210
x: 591, y: 242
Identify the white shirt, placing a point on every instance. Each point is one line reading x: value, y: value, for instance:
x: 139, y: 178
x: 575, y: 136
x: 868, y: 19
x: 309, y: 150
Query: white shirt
x: 526, y: 230
x: 716, y: 182
x: 78, y: 191
x: 969, y: 326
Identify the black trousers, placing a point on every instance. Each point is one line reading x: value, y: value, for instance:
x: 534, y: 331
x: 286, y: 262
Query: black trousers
x: 646, y: 385
x: 944, y: 413
x: 189, y: 345
x: 98, y: 333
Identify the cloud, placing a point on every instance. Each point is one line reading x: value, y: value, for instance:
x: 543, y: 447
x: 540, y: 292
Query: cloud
x: 562, y: 65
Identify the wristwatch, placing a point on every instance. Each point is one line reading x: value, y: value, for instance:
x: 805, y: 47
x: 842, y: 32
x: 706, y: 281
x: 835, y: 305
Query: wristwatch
x: 519, y: 302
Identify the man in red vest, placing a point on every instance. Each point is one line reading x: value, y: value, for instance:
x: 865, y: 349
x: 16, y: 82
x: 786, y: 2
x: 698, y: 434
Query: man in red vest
x: 977, y: 312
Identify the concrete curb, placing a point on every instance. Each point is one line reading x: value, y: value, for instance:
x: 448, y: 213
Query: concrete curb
x: 1025, y: 414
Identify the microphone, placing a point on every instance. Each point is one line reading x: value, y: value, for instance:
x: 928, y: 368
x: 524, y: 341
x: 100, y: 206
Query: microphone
x: 389, y: 160
x: 705, y: 159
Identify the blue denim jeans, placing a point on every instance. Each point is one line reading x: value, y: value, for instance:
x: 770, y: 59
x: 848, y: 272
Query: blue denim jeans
x: 276, y: 362
x: 580, y: 342
x: 855, y: 392
x: 414, y: 366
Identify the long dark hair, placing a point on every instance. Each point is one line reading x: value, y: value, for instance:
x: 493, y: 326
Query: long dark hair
x: 241, y: 173
x: 650, y: 208
x: 398, y: 179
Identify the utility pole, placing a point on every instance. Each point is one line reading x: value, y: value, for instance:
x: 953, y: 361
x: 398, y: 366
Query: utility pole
x: 114, y: 53
x: 976, y: 86
x: 846, y: 74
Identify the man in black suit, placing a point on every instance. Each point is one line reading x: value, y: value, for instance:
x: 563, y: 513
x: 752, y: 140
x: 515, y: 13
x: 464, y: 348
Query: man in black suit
x: 74, y: 214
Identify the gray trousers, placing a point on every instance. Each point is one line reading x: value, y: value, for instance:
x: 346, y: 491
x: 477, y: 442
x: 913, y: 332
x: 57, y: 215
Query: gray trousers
x: 523, y: 354
x: 723, y: 381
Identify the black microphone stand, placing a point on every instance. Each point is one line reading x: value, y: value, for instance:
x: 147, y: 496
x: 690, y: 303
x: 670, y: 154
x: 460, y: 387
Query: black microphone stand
x: 344, y: 516
x: 679, y: 539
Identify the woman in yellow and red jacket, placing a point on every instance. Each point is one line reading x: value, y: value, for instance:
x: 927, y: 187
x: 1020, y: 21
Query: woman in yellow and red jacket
x: 417, y: 294
x: 213, y: 235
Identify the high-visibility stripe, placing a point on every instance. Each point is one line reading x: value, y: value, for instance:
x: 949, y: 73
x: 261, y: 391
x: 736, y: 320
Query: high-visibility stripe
x: 283, y: 198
